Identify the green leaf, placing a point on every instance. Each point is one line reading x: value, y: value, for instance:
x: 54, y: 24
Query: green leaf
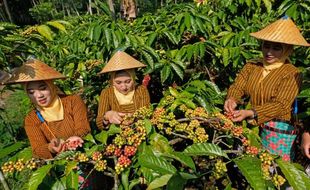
x: 148, y: 126
x: 58, y: 185
x: 207, y: 149
x: 172, y: 38
x: 268, y: 5
x: 227, y: 38
x: 174, y: 92
x: 228, y: 187
x: 181, y: 157
x: 69, y: 167
x: 45, y: 31
x: 151, y: 38
x: 149, y: 174
x: 296, y: 178
x: 108, y: 38
x: 193, y: 24
x: 202, y: 102
x: 250, y: 167
x: 225, y: 55
x: 160, y: 143
x: 187, y: 20
x: 189, y: 103
x: 26, y: 154
x: 157, y: 164
x: 57, y: 25
x: 159, y: 182
x: 102, y: 137
x: 165, y: 72
x: 248, y: 2
x: 148, y: 58
x: 113, y: 129
x: 199, y: 84
x: 133, y: 183
x: 89, y: 137
x: 72, y: 180
x: 188, y: 176
x: 292, y: 11
x: 38, y: 176
x: 253, y: 138
x: 124, y: 178
x: 202, y: 49
x: 12, y: 148
x: 96, y: 33
x: 176, y: 182
x: 178, y: 70
x: 186, y: 94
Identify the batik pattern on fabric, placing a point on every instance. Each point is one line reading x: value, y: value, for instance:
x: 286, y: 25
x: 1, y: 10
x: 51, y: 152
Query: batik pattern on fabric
x: 276, y: 142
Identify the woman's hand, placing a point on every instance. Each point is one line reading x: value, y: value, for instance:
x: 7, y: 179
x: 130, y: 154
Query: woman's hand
x: 230, y: 105
x: 56, y: 146
x: 74, y: 142
x: 240, y: 115
x: 114, y: 117
x: 305, y: 144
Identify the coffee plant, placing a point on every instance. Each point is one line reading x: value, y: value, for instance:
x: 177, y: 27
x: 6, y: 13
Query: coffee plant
x: 184, y: 140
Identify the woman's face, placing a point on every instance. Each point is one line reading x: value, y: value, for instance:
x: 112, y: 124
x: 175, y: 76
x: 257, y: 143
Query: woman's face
x: 272, y: 51
x: 123, y: 83
x: 39, y: 93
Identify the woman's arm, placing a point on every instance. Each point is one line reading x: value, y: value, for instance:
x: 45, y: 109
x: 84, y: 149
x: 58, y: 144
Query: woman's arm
x: 38, y: 142
x: 305, y: 144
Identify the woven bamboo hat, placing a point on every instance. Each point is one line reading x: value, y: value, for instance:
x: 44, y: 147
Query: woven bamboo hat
x: 283, y: 31
x: 121, y: 61
x: 34, y: 70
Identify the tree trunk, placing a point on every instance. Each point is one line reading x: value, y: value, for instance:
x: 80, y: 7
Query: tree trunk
x: 111, y: 6
x: 5, y: 185
x: 7, y: 10
x: 89, y: 7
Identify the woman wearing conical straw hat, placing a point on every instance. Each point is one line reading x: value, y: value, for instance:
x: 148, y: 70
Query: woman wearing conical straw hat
x: 123, y: 96
x: 272, y: 84
x: 57, y: 121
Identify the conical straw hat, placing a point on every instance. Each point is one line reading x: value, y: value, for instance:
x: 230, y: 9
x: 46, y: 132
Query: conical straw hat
x: 121, y: 61
x: 283, y: 31
x: 34, y: 70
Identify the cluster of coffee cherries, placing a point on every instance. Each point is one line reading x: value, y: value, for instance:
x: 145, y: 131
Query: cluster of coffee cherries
x: 220, y: 169
x: 124, y: 145
x: 100, y: 165
x: 196, y: 132
x: 249, y: 149
x: 197, y: 112
x: 10, y: 166
x: 166, y: 101
x: 278, y: 180
x: 96, y: 158
x: 267, y: 161
x: 166, y: 121
x: 123, y: 154
x: 268, y: 169
x: 29, y: 31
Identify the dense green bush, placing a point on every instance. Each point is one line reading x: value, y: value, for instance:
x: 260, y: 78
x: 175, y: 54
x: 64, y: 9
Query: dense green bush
x: 179, y: 43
